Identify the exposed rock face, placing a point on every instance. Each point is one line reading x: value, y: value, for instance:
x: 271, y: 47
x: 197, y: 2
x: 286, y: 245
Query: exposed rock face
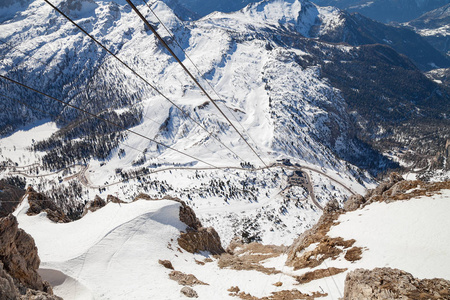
x: 185, y: 279
x: 8, y: 290
x: 188, y: 217
x: 19, y: 264
x: 197, y: 238
x: 327, y: 248
x: 113, y: 199
x: 203, y: 239
x: 387, y: 283
x: 143, y: 197
x: 12, y: 195
x: 394, y: 189
x: 166, y: 263
x: 39, y: 203
x: 318, y: 274
x: 354, y: 202
x: 94, y: 205
x: 189, y: 292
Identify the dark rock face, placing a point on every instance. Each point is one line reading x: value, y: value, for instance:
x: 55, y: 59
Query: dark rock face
x: 94, y: 205
x: 197, y: 238
x: 203, y: 239
x: 19, y: 264
x: 189, y: 292
x: 10, y: 196
x: 40, y: 203
x: 188, y: 217
x: 387, y: 283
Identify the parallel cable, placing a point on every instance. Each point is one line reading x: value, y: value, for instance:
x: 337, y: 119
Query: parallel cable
x: 198, y: 70
x: 107, y: 121
x: 56, y: 117
x: 190, y: 75
x: 140, y: 76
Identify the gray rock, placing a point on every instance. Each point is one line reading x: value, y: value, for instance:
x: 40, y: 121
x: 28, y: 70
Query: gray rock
x: 189, y: 292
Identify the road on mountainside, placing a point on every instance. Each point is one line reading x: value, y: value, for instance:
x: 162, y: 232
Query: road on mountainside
x: 21, y: 173
x: 308, y: 185
x: 84, y: 180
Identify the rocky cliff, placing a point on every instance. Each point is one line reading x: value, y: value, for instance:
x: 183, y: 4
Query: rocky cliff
x: 387, y: 283
x: 19, y: 258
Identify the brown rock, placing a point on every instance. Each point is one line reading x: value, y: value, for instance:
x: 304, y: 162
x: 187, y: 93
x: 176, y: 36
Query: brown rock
x: 354, y: 202
x: 188, y: 217
x: 189, y: 292
x: 395, y: 177
x: 19, y: 254
x: 353, y: 254
x: 387, y: 283
x: 332, y: 206
x: 40, y: 203
x: 143, y: 197
x: 8, y: 290
x: 185, y: 279
x: 94, y: 205
x: 114, y: 199
x: 9, y: 198
x: 318, y: 274
x: 19, y: 263
x: 204, y: 239
x: 166, y: 263
x: 278, y: 284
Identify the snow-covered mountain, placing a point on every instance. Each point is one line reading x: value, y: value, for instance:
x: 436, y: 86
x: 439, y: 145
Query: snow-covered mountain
x: 298, y: 99
x: 386, y: 10
x: 434, y: 27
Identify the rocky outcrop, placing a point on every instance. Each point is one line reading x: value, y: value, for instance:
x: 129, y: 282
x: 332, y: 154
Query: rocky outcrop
x: 166, y: 263
x: 354, y: 202
x: 188, y: 217
x: 93, y: 205
x: 394, y: 189
x: 114, y: 199
x: 318, y: 274
x: 185, y: 279
x: 40, y: 203
x: 189, y: 292
x: 203, y: 239
x: 19, y: 264
x: 250, y: 256
x: 387, y: 283
x: 327, y: 247
x: 197, y: 238
x: 10, y: 197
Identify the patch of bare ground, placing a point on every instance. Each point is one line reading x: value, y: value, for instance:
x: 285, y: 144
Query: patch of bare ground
x: 185, y: 279
x: 299, y: 257
x: 241, y: 256
x: 318, y: 274
x: 282, y: 295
